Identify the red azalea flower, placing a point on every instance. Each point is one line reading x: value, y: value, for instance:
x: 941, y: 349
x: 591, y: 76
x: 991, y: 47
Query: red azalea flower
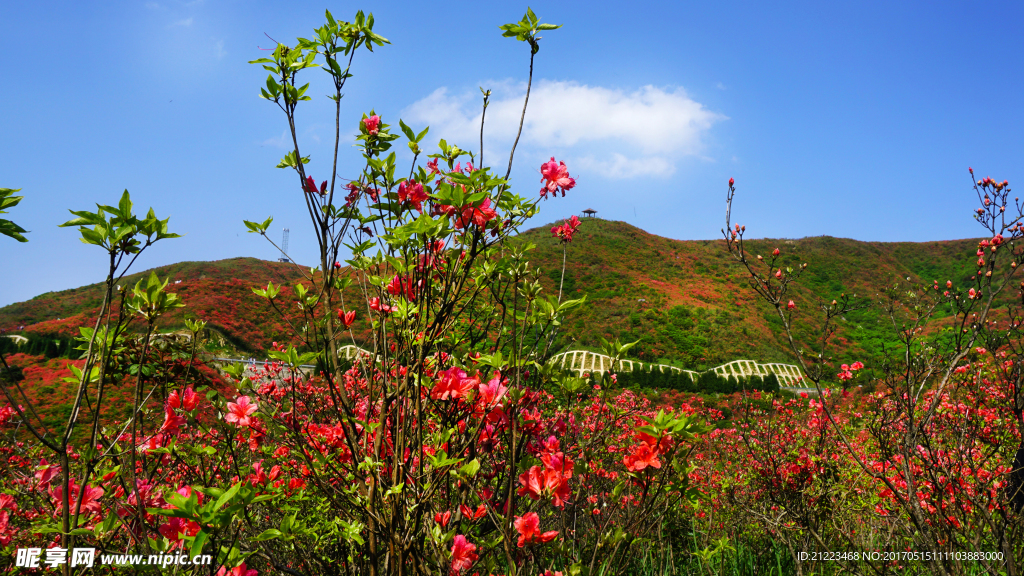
x: 642, y: 456
x: 528, y: 527
x: 549, y: 481
x: 90, y: 498
x: 189, y: 399
x: 479, y: 215
x: 444, y: 518
x: 310, y: 186
x: 347, y: 318
x: 412, y: 192
x: 432, y: 165
x: 377, y: 306
x: 172, y: 422
x: 463, y: 554
x: 453, y: 384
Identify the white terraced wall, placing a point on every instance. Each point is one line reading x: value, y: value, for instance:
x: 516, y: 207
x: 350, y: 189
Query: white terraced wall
x: 586, y: 362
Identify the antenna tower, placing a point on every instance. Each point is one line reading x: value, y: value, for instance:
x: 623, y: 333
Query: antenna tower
x: 284, y: 245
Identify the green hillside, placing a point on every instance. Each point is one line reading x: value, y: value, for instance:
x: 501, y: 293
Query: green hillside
x: 690, y: 305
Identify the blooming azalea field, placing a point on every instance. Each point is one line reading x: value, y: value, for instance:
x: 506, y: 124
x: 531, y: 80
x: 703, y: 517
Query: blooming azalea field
x: 451, y: 446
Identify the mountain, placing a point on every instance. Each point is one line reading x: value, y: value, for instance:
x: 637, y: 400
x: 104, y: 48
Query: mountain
x: 690, y: 304
x: 687, y: 302
x: 218, y: 292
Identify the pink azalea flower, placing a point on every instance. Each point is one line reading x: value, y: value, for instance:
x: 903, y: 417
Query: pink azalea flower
x: 372, y: 124
x: 240, y: 570
x: 239, y: 412
x: 555, y: 177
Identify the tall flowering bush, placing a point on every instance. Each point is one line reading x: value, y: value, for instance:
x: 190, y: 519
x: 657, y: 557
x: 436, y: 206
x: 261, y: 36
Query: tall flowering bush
x: 443, y: 445
x: 936, y: 445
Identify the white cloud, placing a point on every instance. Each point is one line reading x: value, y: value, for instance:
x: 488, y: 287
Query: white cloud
x: 221, y: 53
x: 619, y: 166
x: 282, y: 141
x: 152, y: 5
x: 604, y: 128
x: 720, y: 86
x: 186, y: 22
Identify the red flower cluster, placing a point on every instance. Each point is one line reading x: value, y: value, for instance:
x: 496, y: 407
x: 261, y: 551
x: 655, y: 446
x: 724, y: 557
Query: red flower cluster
x: 412, y: 192
x: 551, y: 480
x: 479, y: 215
x: 645, y: 454
x: 372, y: 125
x: 565, y: 230
x: 846, y: 371
x: 404, y: 286
x: 453, y: 384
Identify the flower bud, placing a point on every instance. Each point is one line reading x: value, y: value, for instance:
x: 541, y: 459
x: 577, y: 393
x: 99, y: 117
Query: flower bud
x: 731, y: 182
x: 775, y: 252
x: 791, y: 305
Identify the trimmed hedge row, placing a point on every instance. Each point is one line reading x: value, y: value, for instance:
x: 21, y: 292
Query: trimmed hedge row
x: 47, y: 346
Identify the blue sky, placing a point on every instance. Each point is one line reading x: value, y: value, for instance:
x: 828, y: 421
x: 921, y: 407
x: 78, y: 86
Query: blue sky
x: 848, y: 119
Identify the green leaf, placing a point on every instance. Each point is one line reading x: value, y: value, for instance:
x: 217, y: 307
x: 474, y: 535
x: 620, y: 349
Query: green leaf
x: 227, y: 496
x: 197, y: 544
x: 408, y: 131
x: 471, y: 468
x: 268, y: 534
